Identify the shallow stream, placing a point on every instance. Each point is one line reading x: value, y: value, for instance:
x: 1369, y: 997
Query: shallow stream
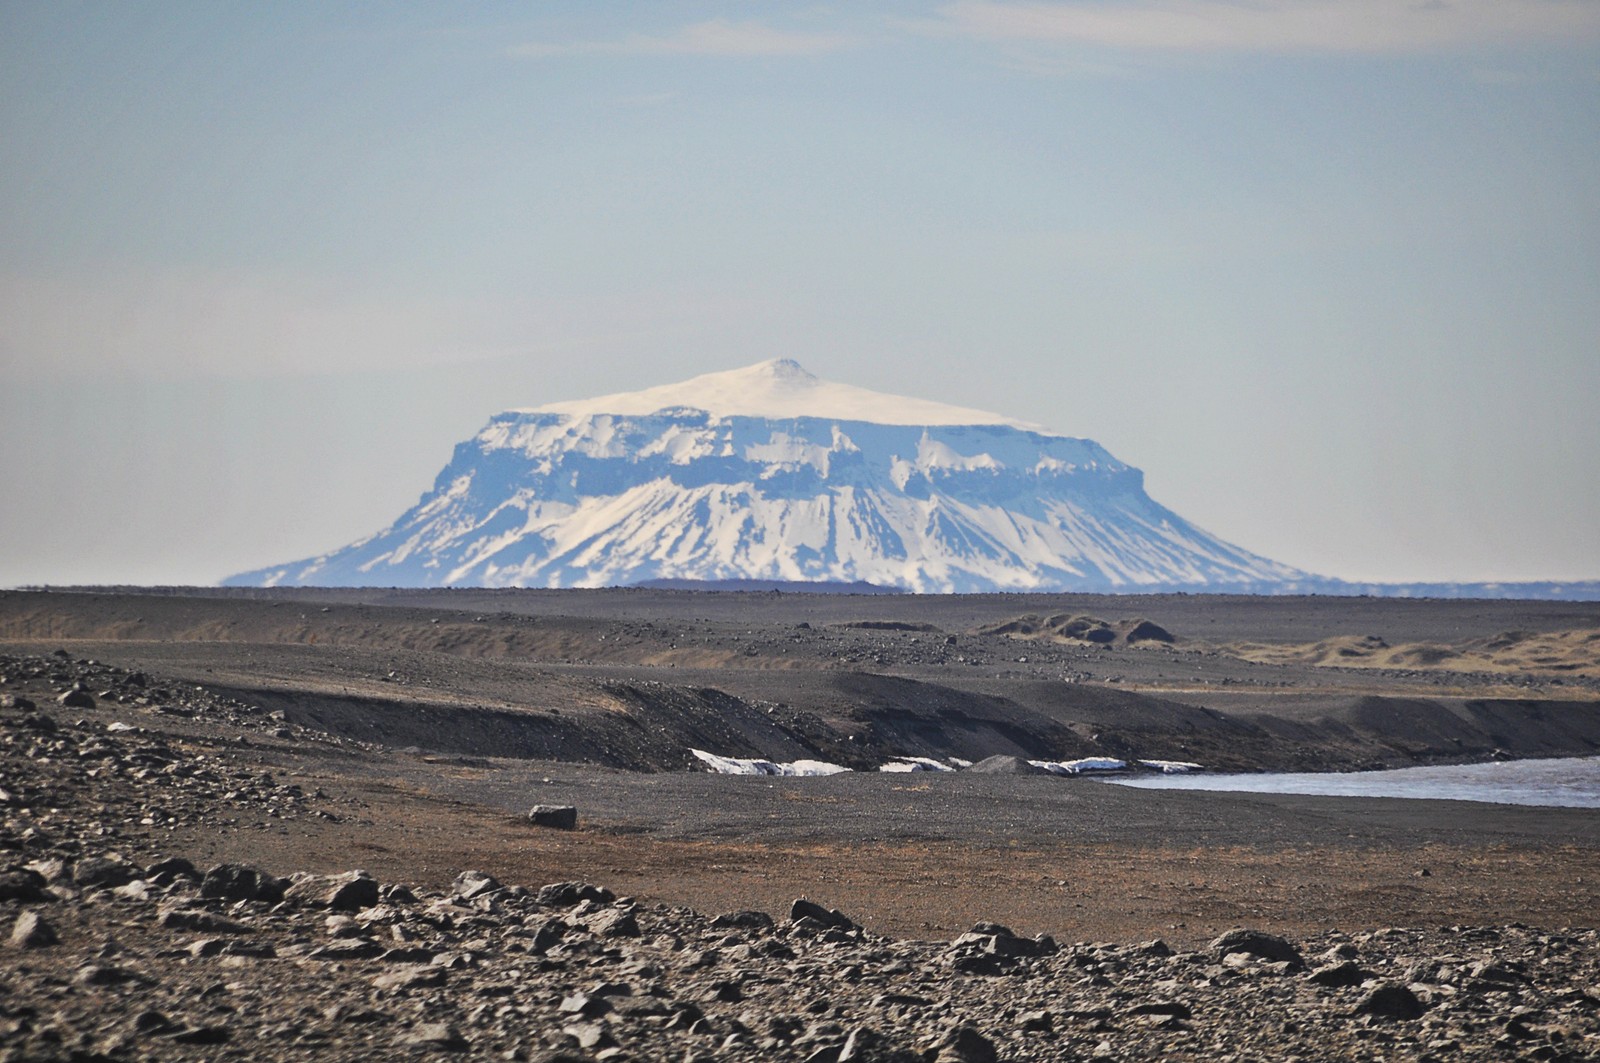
x: 1571, y: 782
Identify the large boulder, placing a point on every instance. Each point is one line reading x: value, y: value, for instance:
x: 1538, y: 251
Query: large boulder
x: 830, y: 918
x: 102, y: 872
x: 1257, y: 943
x: 32, y: 932
x: 25, y: 885
x: 556, y: 817
x: 567, y: 894
x: 348, y: 892
x: 474, y: 883
x: 240, y: 882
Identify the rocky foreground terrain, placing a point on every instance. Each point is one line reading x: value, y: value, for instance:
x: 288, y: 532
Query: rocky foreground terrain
x: 118, y: 947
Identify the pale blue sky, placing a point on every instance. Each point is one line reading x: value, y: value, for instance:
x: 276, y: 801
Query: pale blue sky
x: 1328, y: 272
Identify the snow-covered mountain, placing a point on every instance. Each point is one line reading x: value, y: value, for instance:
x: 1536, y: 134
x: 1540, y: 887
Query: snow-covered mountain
x: 768, y: 473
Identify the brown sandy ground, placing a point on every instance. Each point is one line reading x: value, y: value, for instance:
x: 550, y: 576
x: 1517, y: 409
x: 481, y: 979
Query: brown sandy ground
x: 116, y: 952
x: 906, y: 854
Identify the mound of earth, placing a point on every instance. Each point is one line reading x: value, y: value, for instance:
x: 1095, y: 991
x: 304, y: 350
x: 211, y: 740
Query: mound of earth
x: 1080, y: 628
x: 1565, y: 653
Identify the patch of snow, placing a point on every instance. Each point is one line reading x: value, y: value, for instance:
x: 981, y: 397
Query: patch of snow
x: 933, y: 454
x: 756, y: 766
x: 1078, y: 767
x: 1171, y: 767
x: 781, y: 388
x: 915, y: 764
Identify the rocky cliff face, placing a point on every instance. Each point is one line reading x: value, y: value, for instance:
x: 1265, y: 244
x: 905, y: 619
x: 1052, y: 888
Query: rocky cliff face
x: 769, y: 473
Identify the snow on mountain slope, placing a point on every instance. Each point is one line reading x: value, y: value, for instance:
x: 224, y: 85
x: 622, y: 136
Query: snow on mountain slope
x: 780, y: 389
x: 769, y: 473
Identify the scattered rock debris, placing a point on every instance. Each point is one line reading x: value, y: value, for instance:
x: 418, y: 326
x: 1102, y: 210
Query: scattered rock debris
x: 118, y: 950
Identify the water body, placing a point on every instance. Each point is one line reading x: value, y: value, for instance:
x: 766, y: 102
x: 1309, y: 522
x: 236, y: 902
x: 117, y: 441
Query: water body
x: 1570, y: 782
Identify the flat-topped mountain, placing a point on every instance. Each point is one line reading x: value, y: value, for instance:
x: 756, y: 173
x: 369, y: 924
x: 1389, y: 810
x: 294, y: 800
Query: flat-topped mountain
x: 769, y: 473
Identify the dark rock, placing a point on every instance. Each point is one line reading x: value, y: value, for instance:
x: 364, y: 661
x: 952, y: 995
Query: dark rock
x: 1496, y: 975
x: 567, y: 894
x: 408, y: 978
x: 203, y: 1035
x: 557, y: 817
x: 153, y: 1023
x: 348, y: 950
x: 1259, y: 944
x: 558, y: 1055
x: 724, y: 991
x: 746, y: 920
x: 1171, y: 1009
x: 594, y: 1036
x: 16, y: 701
x: 25, y: 885
x: 251, y: 949
x: 866, y: 1045
x: 614, y: 923
x: 983, y: 963
x: 436, y: 1035
x: 99, y: 974
x: 348, y: 892
x: 409, y: 954
x: 76, y: 699
x: 100, y: 872
x: 585, y: 1006
x: 395, y: 894
x: 966, y: 1045
x: 1339, y: 975
x: 32, y: 932
x: 199, y: 922
x: 1391, y: 1001
x: 170, y: 870
x: 828, y: 917
x: 239, y: 882
x: 470, y: 884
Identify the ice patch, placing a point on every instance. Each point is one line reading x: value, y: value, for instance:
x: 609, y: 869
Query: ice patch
x: 756, y: 766
x: 915, y: 764
x: 1078, y: 767
x: 1171, y: 767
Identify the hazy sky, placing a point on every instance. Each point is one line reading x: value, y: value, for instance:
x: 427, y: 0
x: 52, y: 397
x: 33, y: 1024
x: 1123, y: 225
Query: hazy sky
x: 1329, y: 272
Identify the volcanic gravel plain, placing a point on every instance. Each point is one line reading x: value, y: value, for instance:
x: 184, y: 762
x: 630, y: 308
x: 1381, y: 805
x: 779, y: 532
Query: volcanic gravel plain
x: 293, y: 824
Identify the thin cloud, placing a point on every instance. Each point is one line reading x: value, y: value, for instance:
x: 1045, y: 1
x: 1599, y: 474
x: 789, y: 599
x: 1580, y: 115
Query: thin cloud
x: 717, y: 37
x: 1274, y: 26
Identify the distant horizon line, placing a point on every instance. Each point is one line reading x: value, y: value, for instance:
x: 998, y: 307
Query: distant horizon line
x: 1316, y: 587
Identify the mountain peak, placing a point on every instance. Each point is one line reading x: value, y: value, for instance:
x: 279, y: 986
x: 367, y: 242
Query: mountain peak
x: 770, y: 473
x: 783, y: 369
x: 781, y: 388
